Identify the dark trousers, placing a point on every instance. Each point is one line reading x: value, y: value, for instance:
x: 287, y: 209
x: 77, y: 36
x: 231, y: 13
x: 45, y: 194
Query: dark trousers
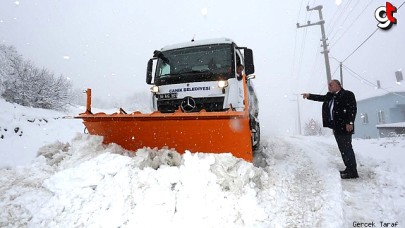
x: 344, y: 143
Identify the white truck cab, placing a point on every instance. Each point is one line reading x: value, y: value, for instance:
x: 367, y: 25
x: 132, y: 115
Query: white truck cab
x: 201, y: 75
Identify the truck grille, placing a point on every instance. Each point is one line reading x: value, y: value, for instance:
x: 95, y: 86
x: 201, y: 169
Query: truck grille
x: 210, y: 104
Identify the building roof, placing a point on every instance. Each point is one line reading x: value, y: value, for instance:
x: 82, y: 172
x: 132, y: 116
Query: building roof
x: 391, y: 125
x: 383, y: 93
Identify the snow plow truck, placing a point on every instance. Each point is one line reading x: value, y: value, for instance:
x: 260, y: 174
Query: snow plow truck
x: 200, y: 103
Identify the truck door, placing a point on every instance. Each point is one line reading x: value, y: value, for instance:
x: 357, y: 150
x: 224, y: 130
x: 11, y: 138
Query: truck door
x: 236, y: 94
x: 239, y: 60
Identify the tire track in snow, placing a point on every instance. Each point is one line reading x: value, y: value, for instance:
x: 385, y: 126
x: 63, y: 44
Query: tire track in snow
x: 379, y: 193
x: 304, y: 192
x: 370, y: 198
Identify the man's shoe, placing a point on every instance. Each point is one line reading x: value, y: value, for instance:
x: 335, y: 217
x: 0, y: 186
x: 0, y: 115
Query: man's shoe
x: 342, y: 171
x: 349, y: 175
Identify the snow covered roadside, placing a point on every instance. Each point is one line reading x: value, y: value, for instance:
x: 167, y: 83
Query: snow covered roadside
x: 379, y: 194
x: 23, y: 130
x: 80, y: 182
x: 88, y: 184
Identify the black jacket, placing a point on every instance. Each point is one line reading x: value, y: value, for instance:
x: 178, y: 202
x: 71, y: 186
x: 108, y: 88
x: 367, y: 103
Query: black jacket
x: 344, y: 110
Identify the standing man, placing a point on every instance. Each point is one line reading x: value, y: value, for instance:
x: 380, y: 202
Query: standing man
x: 338, y: 113
x: 239, y: 71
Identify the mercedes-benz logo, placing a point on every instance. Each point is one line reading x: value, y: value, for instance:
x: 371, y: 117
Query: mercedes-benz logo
x: 187, y: 104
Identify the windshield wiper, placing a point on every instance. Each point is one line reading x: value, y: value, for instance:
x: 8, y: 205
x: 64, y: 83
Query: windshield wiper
x: 172, y: 74
x: 160, y: 55
x: 195, y: 71
x: 183, y: 73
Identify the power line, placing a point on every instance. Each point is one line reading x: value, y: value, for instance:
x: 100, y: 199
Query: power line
x: 324, y: 86
x: 347, y: 29
x: 361, y: 44
x: 344, y: 21
x: 295, y: 51
x: 332, y: 25
x: 335, y: 70
x: 359, y: 77
x: 303, y: 38
x: 333, y: 18
x: 314, y: 64
x: 310, y: 13
x: 368, y: 37
x: 299, y: 11
x: 295, y: 39
x: 303, y: 43
x: 370, y: 83
x: 347, y: 16
x: 313, y: 3
x: 332, y: 21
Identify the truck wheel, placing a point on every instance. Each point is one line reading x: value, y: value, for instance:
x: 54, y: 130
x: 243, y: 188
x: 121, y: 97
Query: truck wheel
x: 254, y: 132
x: 256, y: 137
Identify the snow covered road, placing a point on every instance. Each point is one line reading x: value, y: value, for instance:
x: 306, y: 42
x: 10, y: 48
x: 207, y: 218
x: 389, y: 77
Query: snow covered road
x: 317, y: 197
x: 304, y: 179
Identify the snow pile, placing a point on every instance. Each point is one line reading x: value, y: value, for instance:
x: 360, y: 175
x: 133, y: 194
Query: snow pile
x: 89, y: 184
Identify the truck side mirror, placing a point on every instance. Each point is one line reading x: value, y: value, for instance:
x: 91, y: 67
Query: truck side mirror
x: 249, y: 65
x: 250, y: 77
x: 149, y: 72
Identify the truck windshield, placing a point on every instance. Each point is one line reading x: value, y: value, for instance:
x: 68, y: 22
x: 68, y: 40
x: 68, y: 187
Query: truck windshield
x: 192, y: 64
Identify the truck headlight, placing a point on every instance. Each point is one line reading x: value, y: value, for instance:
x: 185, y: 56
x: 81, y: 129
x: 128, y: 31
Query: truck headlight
x: 154, y: 89
x: 222, y: 84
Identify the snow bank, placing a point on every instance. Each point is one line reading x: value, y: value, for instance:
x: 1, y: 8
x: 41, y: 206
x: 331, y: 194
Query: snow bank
x: 23, y: 130
x: 90, y: 184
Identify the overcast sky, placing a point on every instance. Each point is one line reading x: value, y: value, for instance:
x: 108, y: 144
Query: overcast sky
x: 105, y: 44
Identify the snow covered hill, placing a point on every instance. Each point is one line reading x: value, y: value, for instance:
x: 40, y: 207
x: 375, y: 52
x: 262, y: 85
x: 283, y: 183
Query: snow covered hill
x: 52, y: 175
x: 24, y: 130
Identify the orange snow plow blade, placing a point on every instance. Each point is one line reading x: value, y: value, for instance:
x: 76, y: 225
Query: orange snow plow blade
x: 209, y: 132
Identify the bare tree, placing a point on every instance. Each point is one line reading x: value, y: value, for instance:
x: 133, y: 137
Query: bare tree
x: 313, y: 127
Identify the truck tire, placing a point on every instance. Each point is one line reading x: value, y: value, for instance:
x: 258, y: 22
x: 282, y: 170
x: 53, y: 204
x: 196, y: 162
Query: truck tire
x: 254, y: 132
x: 256, y: 138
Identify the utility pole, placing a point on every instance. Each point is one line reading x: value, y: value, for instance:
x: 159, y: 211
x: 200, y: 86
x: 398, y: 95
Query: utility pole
x: 341, y: 69
x: 325, y: 51
x: 341, y: 73
x: 298, y: 113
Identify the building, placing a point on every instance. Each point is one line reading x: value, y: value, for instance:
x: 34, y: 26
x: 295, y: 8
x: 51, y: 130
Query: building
x: 380, y: 116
